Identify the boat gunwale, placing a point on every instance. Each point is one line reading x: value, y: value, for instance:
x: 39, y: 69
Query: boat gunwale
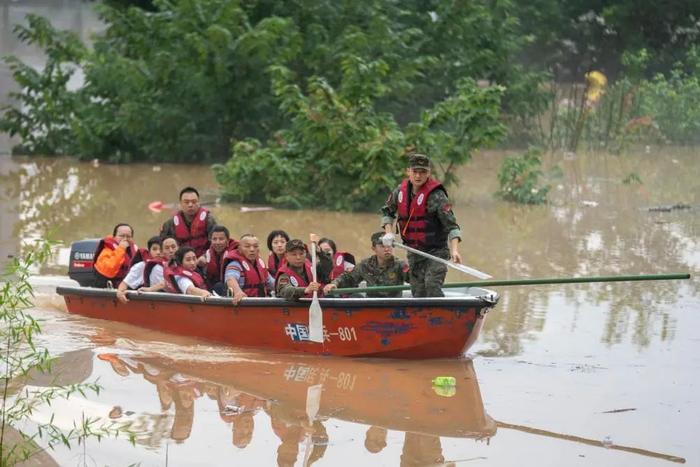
x: 487, y: 300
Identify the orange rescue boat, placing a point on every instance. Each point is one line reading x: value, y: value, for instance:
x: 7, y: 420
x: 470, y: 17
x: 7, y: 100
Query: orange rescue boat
x: 412, y: 328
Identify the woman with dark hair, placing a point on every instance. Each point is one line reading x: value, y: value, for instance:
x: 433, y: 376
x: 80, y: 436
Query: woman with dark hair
x: 113, y: 256
x: 181, y: 275
x: 276, y: 242
x: 342, y: 261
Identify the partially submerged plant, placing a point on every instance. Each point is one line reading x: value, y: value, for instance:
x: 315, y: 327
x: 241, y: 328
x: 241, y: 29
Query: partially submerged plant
x: 21, y: 355
x: 519, y: 179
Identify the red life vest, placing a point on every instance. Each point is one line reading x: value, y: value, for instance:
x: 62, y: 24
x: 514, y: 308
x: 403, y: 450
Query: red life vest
x: 419, y: 228
x: 255, y: 274
x: 170, y: 272
x: 196, y: 235
x: 339, y: 259
x: 295, y: 279
x: 112, y: 244
x: 274, y: 263
x: 214, y: 268
x: 150, y: 264
x: 141, y: 255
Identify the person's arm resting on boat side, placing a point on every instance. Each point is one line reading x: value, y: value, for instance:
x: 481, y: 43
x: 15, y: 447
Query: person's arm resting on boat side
x: 132, y: 281
x: 192, y: 290
x: 347, y: 279
x: 188, y: 288
x: 232, y: 277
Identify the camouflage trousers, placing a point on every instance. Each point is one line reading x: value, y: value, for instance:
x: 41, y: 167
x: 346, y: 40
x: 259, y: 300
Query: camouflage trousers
x: 426, y: 275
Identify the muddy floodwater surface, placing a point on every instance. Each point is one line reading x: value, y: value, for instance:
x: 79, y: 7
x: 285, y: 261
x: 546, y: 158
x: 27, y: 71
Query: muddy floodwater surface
x: 588, y: 374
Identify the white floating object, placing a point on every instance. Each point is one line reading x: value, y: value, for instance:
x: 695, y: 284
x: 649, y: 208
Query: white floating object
x: 256, y: 209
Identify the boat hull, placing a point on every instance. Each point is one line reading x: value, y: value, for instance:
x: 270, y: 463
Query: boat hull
x: 390, y: 328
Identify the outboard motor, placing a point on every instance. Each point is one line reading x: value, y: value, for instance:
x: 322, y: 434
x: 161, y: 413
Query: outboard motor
x: 82, y: 260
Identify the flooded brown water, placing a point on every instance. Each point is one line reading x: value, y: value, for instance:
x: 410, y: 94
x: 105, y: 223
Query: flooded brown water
x: 590, y: 374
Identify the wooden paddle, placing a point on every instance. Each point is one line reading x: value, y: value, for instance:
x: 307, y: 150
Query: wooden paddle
x: 315, y: 312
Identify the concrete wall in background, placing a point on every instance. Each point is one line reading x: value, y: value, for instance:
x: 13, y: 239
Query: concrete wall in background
x: 75, y: 15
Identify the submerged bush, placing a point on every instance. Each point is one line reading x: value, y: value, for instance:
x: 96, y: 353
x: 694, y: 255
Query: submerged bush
x: 519, y: 179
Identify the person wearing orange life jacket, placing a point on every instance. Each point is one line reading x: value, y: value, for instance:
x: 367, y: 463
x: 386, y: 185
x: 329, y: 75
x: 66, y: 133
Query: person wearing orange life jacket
x: 245, y: 272
x: 210, y: 262
x: 342, y: 261
x: 295, y: 279
x: 192, y: 225
x: 147, y: 276
x: 113, y: 256
x: 276, y: 241
x: 426, y: 222
x: 181, y: 275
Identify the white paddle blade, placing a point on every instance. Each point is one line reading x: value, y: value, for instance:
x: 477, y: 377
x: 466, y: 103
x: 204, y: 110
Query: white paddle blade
x: 313, y: 401
x: 472, y: 271
x: 315, y: 320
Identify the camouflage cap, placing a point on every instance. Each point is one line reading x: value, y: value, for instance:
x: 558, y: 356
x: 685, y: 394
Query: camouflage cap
x: 377, y: 238
x: 418, y: 161
x: 295, y: 244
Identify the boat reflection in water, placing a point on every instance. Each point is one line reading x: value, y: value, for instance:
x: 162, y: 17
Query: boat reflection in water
x: 301, y: 393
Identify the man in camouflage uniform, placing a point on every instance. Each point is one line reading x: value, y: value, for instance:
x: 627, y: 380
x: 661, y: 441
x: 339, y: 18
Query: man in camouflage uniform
x: 382, y: 268
x: 426, y: 222
x: 294, y: 279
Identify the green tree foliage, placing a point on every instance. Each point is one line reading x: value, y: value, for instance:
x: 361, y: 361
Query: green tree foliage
x: 45, y: 126
x: 455, y: 127
x: 180, y: 81
x: 337, y: 153
x: 205, y: 80
x: 340, y: 153
x: 634, y: 109
x: 176, y: 84
x: 573, y: 36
